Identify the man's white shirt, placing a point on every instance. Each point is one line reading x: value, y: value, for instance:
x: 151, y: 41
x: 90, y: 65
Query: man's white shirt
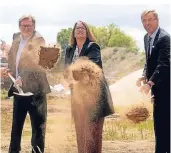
x: 20, y: 49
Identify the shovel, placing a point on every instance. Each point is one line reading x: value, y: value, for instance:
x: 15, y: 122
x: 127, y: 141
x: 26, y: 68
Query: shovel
x: 21, y: 93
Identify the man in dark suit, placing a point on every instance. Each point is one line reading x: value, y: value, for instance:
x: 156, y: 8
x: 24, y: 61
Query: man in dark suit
x: 23, y: 63
x: 156, y: 76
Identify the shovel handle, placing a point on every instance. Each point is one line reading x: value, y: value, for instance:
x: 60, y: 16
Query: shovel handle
x: 11, y: 77
x: 16, y: 86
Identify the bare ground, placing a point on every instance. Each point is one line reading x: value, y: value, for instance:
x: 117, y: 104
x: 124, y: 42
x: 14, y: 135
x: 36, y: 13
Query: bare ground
x: 57, y: 133
x: 108, y: 147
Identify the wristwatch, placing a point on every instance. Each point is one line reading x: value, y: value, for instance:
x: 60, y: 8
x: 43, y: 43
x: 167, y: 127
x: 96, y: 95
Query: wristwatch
x: 150, y: 83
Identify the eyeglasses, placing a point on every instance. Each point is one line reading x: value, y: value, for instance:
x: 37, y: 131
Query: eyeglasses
x: 26, y: 26
x: 81, y: 28
x: 149, y: 20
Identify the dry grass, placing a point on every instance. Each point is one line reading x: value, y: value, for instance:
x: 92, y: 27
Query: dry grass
x: 60, y: 134
x: 116, y: 62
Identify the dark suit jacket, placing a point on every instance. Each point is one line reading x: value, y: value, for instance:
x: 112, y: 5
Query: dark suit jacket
x: 33, y: 76
x: 157, y: 67
x: 92, y: 51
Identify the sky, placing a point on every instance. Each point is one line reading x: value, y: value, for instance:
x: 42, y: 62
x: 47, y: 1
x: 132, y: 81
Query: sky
x: 54, y: 15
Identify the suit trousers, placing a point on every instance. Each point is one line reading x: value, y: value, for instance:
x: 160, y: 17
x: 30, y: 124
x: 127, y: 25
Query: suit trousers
x: 161, y: 115
x: 36, y: 106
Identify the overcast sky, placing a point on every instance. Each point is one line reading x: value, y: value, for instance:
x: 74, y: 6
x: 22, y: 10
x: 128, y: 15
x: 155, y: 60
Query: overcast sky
x: 52, y: 15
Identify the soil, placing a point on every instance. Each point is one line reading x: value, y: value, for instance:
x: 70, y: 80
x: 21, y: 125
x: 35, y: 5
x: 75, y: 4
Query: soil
x: 56, y: 135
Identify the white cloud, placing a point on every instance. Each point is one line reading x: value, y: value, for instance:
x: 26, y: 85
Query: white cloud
x: 6, y: 32
x: 52, y: 15
x: 49, y: 33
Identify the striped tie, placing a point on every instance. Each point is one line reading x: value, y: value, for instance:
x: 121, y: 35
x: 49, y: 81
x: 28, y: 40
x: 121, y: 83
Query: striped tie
x: 149, y: 47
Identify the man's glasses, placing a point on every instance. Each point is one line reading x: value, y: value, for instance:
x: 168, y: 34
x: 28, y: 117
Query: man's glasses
x: 26, y: 26
x: 149, y: 20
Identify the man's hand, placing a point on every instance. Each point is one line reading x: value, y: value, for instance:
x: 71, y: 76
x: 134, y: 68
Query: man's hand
x: 142, y: 79
x: 18, y: 81
x: 145, y: 88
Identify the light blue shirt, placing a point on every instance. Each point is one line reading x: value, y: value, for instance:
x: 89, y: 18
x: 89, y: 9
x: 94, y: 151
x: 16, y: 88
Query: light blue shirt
x: 20, y: 49
x: 153, y: 37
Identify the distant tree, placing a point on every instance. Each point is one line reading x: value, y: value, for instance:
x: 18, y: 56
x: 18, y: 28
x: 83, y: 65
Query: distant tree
x: 101, y: 34
x: 106, y: 36
x: 63, y: 37
x: 120, y: 39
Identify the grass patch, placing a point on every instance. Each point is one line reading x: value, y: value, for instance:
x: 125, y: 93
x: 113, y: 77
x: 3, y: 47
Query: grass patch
x: 124, y: 130
x: 4, y: 94
x: 114, y: 128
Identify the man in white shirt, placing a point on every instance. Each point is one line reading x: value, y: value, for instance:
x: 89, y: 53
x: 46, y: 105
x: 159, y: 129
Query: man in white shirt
x: 23, y: 63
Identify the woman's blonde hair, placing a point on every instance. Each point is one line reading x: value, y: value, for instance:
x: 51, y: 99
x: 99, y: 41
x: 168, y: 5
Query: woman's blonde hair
x: 89, y: 34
